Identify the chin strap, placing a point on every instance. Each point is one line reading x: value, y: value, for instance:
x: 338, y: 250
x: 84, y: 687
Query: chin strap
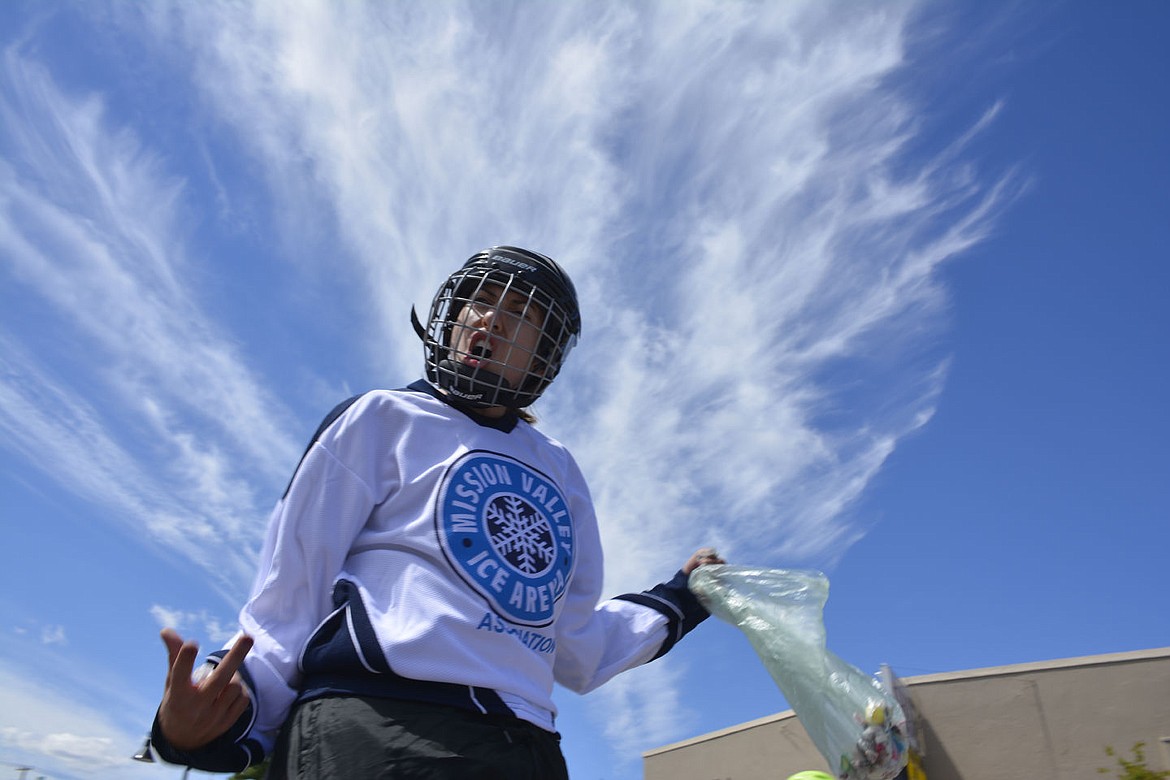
x: 467, y: 384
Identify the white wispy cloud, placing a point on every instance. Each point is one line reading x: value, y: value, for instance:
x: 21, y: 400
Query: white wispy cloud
x: 53, y: 635
x: 643, y: 710
x: 212, y: 626
x: 160, y: 409
x: 60, y: 737
x: 423, y: 133
x: 49, y: 634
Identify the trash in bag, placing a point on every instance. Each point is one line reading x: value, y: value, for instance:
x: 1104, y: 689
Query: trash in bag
x: 855, y: 723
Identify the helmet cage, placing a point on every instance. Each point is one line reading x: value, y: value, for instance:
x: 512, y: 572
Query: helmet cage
x: 510, y: 291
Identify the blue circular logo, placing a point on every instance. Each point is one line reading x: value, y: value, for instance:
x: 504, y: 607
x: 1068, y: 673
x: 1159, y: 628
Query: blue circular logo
x: 505, y: 528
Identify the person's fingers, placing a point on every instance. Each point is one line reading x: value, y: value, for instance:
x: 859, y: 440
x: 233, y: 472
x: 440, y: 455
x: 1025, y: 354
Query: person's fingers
x: 235, y: 657
x: 237, y: 708
x: 173, y: 642
x: 226, y: 670
x: 709, y: 555
x: 229, y: 707
x: 229, y: 697
x: 182, y: 657
x: 702, y: 557
x: 197, y: 716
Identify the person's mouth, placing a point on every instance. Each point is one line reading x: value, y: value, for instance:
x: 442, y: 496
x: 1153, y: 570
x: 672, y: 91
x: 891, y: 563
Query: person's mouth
x: 479, y: 350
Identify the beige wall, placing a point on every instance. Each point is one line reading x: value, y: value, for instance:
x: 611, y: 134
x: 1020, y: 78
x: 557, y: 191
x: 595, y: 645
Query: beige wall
x: 1039, y: 721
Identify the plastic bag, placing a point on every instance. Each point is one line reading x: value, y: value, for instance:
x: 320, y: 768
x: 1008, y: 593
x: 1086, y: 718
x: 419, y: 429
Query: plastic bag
x: 855, y: 723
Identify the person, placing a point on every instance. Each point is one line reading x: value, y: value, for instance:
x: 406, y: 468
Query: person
x: 432, y: 569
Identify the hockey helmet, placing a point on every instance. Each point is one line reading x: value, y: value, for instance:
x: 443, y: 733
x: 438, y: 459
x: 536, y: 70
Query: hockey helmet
x: 542, y: 286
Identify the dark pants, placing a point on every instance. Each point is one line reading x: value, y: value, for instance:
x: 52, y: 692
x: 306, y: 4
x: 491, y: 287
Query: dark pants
x: 361, y: 738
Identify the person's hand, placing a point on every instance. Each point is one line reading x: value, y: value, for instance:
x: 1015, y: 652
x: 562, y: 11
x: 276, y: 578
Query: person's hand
x: 192, y: 714
x: 702, y: 557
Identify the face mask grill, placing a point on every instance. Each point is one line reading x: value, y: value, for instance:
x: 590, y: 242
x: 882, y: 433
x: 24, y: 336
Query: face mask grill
x: 495, y: 339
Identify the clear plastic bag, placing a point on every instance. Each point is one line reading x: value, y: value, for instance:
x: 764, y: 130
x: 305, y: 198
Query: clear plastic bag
x: 855, y: 723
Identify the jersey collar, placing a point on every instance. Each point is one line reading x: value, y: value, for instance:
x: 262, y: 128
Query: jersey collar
x: 505, y: 422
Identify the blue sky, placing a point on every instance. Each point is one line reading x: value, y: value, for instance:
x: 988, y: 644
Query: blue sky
x: 875, y: 289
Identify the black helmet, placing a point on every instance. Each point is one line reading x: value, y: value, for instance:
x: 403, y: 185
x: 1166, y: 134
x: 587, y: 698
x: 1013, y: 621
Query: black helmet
x: 540, y: 285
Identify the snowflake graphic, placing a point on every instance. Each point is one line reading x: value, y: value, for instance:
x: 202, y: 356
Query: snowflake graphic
x: 520, y: 533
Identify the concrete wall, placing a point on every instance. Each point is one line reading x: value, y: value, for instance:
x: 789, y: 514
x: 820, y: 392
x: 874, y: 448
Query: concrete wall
x: 1038, y: 721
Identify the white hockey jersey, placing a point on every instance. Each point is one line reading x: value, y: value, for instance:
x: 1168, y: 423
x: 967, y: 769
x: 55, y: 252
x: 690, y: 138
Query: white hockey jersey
x: 421, y: 552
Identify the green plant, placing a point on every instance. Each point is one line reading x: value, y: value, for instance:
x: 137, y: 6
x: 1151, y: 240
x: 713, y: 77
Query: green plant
x: 257, y: 772
x: 1135, y: 769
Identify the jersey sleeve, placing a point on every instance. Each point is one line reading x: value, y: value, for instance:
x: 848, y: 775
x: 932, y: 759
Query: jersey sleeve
x: 336, y: 485
x: 596, y: 641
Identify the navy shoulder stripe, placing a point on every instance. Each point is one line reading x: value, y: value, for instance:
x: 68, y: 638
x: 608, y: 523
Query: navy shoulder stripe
x: 329, y: 420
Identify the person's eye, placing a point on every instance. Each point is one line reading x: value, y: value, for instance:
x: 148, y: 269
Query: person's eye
x: 482, y: 303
